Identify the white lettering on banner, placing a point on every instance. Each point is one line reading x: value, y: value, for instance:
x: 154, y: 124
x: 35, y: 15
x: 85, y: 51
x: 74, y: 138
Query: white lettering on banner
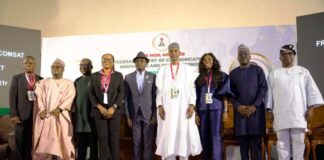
x: 153, y: 60
x: 320, y: 43
x: 2, y: 67
x: 14, y: 54
x: 154, y: 65
x: 3, y: 83
x: 158, y: 62
x: 127, y: 66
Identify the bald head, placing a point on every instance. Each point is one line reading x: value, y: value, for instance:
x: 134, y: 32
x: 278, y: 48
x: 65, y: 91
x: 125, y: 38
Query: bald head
x: 86, y: 66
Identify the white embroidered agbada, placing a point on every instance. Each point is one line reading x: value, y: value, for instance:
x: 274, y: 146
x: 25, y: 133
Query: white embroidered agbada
x: 177, y: 135
x: 53, y: 136
x: 291, y: 91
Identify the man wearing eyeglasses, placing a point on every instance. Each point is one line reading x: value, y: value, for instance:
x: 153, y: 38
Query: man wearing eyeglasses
x: 292, y: 90
x: 106, y: 95
x: 53, y: 128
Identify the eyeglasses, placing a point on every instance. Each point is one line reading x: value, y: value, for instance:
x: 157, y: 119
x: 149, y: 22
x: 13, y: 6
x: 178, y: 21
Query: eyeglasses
x: 110, y: 60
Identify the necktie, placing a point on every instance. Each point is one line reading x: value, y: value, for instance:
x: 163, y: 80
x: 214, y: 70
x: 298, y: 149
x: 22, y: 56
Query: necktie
x: 140, y: 85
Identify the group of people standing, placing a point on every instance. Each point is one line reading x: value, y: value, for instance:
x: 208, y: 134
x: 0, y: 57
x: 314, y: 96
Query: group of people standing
x: 53, y: 116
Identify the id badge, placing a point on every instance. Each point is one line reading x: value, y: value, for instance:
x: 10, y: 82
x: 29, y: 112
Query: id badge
x: 105, y: 97
x: 209, y: 98
x: 174, y: 93
x: 31, y: 95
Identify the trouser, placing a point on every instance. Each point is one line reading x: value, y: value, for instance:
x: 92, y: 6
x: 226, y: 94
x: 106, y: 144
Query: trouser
x: 286, y: 137
x: 108, y: 136
x: 210, y: 134
x: 86, y: 139
x: 23, y: 137
x: 173, y: 157
x: 252, y: 143
x: 142, y: 132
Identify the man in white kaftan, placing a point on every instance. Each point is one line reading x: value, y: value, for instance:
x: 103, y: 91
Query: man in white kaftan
x: 291, y: 91
x: 53, y: 128
x: 177, y: 133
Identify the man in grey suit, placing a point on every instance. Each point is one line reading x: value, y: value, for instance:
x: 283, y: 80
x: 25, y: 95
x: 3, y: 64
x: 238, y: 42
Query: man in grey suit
x: 140, y: 106
x: 21, y: 98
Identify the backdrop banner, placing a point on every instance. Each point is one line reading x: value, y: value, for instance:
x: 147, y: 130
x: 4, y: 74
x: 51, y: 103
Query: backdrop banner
x: 15, y: 44
x: 264, y: 43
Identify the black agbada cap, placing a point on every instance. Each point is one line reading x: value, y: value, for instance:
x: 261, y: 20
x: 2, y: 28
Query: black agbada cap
x: 288, y: 48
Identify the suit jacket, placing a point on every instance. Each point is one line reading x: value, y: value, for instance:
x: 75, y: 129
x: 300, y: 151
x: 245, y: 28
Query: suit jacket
x: 134, y: 99
x: 19, y: 104
x: 115, y: 92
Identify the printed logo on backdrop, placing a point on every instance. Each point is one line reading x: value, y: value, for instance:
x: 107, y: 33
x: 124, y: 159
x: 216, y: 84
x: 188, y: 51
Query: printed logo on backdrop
x: 161, y: 41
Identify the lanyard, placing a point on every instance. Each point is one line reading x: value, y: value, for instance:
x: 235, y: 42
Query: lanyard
x: 31, y: 81
x: 105, y: 81
x: 209, y: 81
x: 172, y: 74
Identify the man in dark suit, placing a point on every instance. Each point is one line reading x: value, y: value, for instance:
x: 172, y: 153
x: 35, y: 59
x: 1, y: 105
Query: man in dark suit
x: 140, y: 106
x: 22, y: 99
x: 106, y: 95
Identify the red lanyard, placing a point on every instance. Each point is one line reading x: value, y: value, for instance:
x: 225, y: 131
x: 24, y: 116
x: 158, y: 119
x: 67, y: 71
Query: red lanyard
x: 172, y: 74
x: 31, y: 81
x: 209, y: 81
x: 105, y: 81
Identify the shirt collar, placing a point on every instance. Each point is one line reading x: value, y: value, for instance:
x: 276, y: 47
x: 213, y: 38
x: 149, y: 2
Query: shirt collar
x: 102, y: 73
x: 140, y: 74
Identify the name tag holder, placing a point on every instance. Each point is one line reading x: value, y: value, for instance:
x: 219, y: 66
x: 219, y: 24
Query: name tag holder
x: 174, y: 93
x: 209, y: 98
x: 31, y: 95
x: 105, y: 98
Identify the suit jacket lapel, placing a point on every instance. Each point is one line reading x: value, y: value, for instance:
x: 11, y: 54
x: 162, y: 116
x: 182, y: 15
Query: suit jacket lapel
x: 134, y: 81
x: 25, y: 82
x: 98, y: 83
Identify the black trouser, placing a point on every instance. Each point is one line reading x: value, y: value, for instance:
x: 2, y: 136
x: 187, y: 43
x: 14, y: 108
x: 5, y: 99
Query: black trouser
x: 23, y: 137
x: 108, y: 136
x: 253, y: 143
x: 85, y: 139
